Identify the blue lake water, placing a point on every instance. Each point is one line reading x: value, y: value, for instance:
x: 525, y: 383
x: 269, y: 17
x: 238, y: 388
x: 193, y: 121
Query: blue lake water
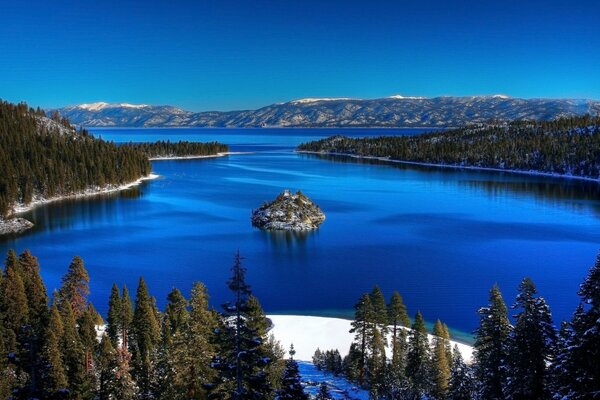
x: 441, y: 237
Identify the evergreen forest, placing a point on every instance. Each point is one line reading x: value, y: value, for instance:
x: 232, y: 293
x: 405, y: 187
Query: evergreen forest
x: 566, y: 146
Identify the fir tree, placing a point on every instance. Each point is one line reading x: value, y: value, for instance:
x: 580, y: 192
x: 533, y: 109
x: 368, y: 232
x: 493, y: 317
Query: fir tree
x: 490, y: 347
x: 396, y: 382
x: 144, y: 340
x: 240, y: 363
x: 73, y: 354
x: 418, y: 365
x: 323, y: 393
x: 461, y: 385
x: 35, y: 290
x: 581, y: 352
x: 113, y: 328
x: 531, y: 346
x: 106, y: 370
x: 380, y: 312
x: 361, y: 327
x: 15, y: 309
x: 377, y: 365
x: 75, y: 287
x: 291, y: 387
x: 441, y: 363
x: 54, y: 377
x: 397, y: 316
x: 126, y: 317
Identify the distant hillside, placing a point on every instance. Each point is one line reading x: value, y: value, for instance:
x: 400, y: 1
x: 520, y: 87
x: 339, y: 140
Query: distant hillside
x: 567, y: 146
x: 395, y: 111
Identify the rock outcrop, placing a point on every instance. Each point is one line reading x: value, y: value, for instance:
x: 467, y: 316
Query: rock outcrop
x: 290, y: 212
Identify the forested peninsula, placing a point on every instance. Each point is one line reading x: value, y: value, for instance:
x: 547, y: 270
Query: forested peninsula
x: 162, y: 150
x: 567, y: 147
x: 45, y: 158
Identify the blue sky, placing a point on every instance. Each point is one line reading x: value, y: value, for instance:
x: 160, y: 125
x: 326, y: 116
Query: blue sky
x: 222, y: 55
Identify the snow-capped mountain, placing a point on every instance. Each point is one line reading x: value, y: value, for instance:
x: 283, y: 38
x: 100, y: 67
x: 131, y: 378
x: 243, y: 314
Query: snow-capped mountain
x: 394, y: 111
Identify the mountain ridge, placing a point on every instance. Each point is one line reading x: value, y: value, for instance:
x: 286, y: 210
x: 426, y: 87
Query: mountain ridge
x: 393, y: 111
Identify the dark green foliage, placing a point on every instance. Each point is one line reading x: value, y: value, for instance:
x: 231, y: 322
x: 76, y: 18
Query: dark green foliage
x: 39, y: 157
x: 75, y: 287
x: 329, y: 360
x: 113, y: 321
x: 491, y: 354
x: 361, y: 327
x: 145, y: 336
x: 291, y: 387
x: 54, y: 377
x: 418, y: 363
x: 440, y: 361
x: 577, y: 370
x: 531, y: 346
x: 242, y: 359
x: 461, y: 385
x: 179, y: 149
x: 323, y: 393
x: 564, y: 146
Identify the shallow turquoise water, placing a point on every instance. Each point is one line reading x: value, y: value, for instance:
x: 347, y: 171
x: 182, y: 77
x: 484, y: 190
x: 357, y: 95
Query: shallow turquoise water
x: 440, y: 237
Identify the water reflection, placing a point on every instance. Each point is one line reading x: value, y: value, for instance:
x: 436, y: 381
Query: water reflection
x: 65, y: 214
x: 583, y: 195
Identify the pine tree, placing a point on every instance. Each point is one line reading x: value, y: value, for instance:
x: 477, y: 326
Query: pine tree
x: 579, y: 358
x: 35, y: 290
x: 87, y: 334
x: 75, y: 287
x: 490, y: 347
x: 418, y: 365
x: 441, y: 363
x: 291, y: 387
x: 461, y: 385
x: 531, y: 346
x: 144, y: 340
x: 380, y: 312
x: 113, y: 328
x: 54, y: 377
x: 73, y: 354
x: 106, y: 370
x: 125, y: 386
x: 241, y: 366
x: 323, y: 393
x: 14, y: 305
x: 397, y: 316
x: 361, y: 327
x: 396, y: 382
x: 377, y: 365
x: 126, y: 317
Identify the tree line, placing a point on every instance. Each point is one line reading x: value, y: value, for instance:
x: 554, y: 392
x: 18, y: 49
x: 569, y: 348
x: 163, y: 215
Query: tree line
x: 179, y: 149
x: 566, y: 146
x: 46, y: 157
x: 59, y: 347
x: 530, y: 359
x: 55, y: 347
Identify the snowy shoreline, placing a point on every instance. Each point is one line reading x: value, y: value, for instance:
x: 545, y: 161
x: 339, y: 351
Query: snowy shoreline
x: 21, y: 208
x: 469, y: 167
x: 227, y: 153
x: 307, y: 333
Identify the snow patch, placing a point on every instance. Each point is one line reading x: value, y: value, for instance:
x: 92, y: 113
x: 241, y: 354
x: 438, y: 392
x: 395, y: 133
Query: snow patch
x: 101, y: 105
x: 309, y: 333
x: 399, y: 96
x: 317, y: 99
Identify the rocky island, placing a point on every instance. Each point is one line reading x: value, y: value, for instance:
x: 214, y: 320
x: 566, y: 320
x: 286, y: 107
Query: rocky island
x: 290, y: 212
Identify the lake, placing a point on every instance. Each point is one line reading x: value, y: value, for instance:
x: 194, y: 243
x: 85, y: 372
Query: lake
x: 441, y: 237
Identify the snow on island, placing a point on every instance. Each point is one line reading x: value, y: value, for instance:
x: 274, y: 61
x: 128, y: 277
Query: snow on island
x: 291, y: 212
